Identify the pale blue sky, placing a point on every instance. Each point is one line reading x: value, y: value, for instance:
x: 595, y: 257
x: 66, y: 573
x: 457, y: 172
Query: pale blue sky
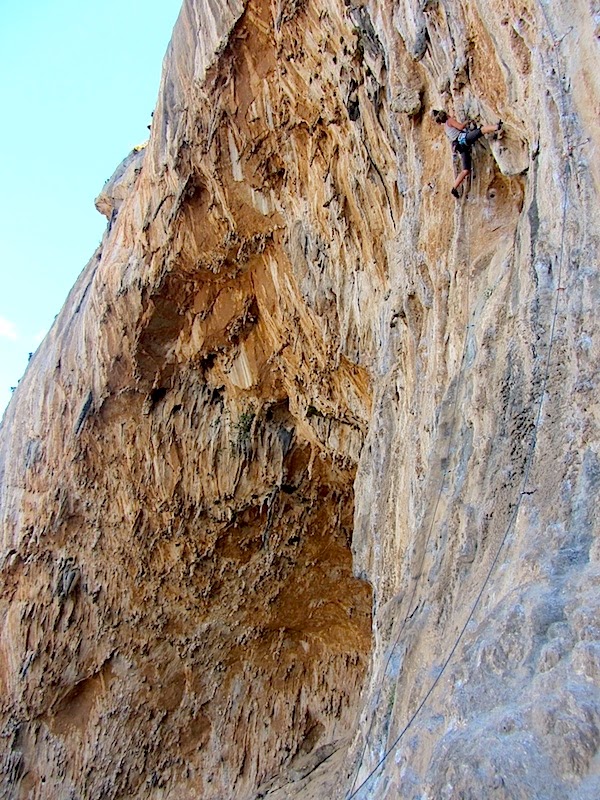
x: 78, y: 82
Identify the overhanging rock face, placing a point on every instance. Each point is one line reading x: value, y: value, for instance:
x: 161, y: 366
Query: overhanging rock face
x: 298, y: 494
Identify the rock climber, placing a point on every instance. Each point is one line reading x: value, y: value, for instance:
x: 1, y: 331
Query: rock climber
x: 462, y: 140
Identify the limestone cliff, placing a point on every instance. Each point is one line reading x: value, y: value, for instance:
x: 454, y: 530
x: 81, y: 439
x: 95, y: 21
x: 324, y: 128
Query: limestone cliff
x: 298, y: 496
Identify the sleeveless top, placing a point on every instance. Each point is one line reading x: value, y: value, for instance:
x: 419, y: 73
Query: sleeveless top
x: 451, y: 133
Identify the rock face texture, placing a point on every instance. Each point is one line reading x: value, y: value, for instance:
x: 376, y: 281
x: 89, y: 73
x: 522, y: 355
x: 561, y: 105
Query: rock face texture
x: 298, y: 496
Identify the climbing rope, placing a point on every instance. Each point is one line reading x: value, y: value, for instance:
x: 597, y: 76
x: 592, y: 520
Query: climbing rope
x: 446, y: 462
x: 527, y: 467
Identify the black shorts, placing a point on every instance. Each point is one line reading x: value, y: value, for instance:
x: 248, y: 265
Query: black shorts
x: 465, y: 149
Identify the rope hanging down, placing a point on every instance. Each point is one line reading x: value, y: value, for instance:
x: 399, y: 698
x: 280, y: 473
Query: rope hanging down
x: 526, y: 471
x: 446, y: 463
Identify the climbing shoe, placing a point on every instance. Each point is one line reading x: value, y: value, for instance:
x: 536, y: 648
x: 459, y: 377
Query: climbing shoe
x: 454, y: 193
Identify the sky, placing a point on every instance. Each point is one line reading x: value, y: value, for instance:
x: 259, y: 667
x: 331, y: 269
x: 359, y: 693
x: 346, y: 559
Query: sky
x: 78, y: 83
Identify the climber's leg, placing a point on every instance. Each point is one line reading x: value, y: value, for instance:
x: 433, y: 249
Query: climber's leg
x: 465, y: 157
x: 461, y: 176
x: 492, y: 128
x: 472, y: 136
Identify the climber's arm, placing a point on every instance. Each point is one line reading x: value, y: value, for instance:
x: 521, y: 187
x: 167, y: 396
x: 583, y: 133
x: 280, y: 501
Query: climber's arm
x: 454, y: 123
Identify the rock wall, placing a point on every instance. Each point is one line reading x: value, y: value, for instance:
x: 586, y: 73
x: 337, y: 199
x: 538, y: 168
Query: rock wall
x: 298, y: 495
